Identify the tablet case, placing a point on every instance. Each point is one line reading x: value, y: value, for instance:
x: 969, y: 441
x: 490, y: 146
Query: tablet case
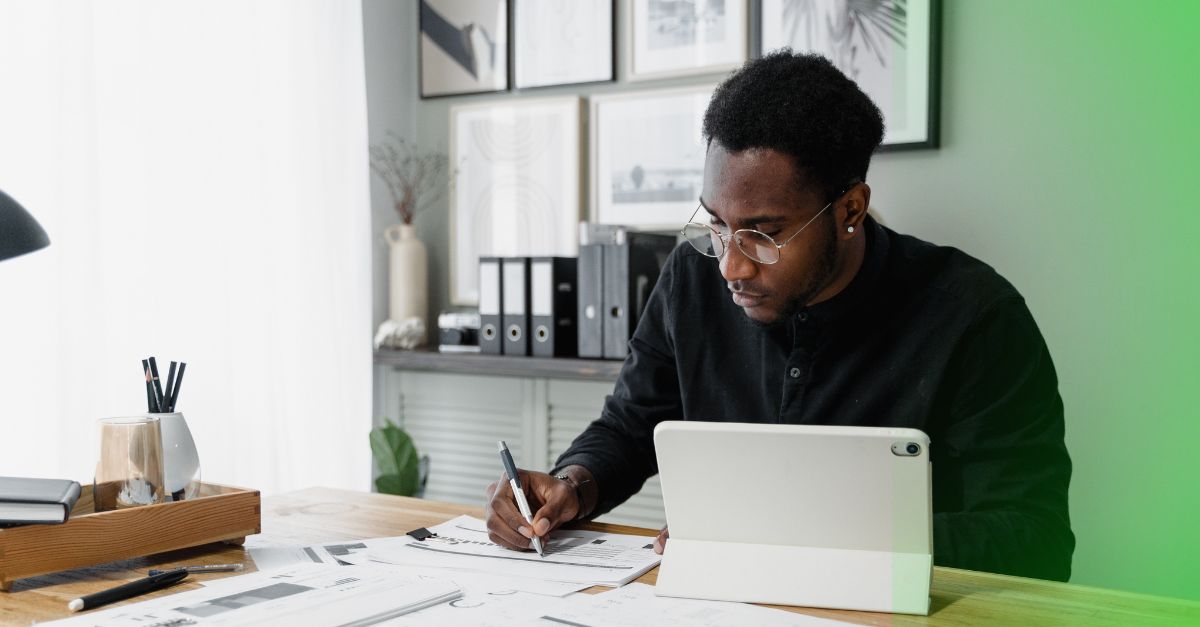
x: 796, y: 515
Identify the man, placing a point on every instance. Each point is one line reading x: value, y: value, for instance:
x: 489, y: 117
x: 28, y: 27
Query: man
x: 813, y: 313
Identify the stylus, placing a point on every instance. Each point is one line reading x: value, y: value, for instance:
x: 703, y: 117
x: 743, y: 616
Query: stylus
x: 511, y: 469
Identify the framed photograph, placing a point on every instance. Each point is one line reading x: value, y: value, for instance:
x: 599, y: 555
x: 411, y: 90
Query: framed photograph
x: 683, y: 37
x: 464, y: 47
x: 557, y: 42
x: 889, y: 47
x: 648, y: 156
x: 516, y: 188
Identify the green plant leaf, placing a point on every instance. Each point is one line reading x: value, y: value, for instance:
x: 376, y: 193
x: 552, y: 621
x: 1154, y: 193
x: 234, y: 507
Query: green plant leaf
x: 397, y: 459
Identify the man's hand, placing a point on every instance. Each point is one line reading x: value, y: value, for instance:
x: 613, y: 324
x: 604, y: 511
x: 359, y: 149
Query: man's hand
x: 660, y: 541
x: 553, y: 502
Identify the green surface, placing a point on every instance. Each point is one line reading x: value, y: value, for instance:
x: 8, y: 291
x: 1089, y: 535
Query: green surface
x: 1069, y: 162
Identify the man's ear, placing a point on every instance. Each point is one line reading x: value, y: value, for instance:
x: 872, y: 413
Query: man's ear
x: 851, y: 210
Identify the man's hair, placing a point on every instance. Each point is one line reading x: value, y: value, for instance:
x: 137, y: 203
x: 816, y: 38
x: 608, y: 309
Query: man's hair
x: 802, y: 106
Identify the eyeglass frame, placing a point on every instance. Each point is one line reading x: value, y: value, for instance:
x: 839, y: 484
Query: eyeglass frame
x: 725, y: 239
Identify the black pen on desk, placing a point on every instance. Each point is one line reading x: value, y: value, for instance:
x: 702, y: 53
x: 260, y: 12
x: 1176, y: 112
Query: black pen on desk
x: 203, y: 568
x: 511, y: 469
x: 125, y: 591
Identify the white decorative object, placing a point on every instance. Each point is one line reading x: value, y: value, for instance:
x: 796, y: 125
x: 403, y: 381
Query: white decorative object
x: 559, y: 42
x: 408, y: 276
x: 181, y: 461
x: 684, y: 37
x: 648, y: 159
x: 885, y: 46
x: 516, y: 189
x: 406, y: 334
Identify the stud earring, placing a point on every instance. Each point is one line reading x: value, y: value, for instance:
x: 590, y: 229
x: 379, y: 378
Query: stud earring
x: 849, y: 229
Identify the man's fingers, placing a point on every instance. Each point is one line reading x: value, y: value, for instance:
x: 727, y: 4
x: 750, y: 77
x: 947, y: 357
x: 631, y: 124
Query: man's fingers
x: 504, y: 521
x: 559, y: 506
x: 660, y: 541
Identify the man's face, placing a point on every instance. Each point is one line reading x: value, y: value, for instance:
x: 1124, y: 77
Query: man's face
x: 758, y: 189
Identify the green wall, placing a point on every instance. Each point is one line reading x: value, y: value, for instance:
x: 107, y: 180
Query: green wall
x: 1068, y: 163
x: 1067, y: 160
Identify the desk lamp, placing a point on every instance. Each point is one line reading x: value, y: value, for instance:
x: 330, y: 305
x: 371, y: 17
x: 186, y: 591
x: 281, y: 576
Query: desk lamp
x: 19, y: 232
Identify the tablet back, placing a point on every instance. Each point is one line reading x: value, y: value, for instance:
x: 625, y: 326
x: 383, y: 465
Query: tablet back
x: 851, y: 498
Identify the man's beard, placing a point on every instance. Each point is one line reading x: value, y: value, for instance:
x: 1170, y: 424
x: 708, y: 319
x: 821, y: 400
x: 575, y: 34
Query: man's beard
x: 816, y: 280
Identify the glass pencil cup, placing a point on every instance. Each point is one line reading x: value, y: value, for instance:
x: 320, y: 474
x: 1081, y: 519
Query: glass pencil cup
x: 130, y: 472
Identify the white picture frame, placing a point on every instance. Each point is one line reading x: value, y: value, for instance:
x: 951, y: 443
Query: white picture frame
x: 517, y: 184
x: 891, y: 52
x: 647, y: 164
x: 557, y: 42
x: 670, y: 38
x: 463, y: 47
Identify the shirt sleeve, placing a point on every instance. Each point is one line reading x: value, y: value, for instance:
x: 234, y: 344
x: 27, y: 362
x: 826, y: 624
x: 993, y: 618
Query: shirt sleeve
x: 618, y: 448
x: 1004, y: 466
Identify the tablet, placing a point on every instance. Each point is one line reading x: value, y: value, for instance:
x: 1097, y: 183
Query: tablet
x: 820, y: 516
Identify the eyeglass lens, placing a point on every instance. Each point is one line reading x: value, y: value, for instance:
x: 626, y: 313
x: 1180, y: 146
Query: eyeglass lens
x: 708, y: 241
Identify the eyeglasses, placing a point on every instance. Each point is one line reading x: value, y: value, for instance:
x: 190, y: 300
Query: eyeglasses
x: 756, y: 245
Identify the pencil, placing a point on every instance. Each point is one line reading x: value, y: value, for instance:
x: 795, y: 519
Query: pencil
x: 178, y: 382
x: 158, y: 394
x: 149, y: 387
x: 169, y: 400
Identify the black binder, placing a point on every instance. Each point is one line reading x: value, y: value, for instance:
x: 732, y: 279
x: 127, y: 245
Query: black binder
x: 591, y: 300
x: 490, y: 292
x: 553, y: 306
x: 631, y: 269
x: 514, y: 305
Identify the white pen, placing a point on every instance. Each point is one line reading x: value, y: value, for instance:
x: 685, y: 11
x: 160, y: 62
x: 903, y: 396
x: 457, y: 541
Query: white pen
x: 522, y: 504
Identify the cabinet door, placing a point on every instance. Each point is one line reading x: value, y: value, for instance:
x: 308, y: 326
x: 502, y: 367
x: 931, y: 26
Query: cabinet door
x: 572, y: 406
x: 456, y: 421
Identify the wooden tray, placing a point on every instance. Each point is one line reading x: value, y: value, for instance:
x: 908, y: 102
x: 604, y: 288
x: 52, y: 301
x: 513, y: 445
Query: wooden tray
x: 219, y: 514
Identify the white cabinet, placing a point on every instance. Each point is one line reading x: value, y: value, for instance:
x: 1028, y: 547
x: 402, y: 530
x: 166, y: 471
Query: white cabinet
x: 456, y: 419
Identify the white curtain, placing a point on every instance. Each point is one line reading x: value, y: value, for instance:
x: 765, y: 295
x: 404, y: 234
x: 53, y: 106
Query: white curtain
x: 201, y: 170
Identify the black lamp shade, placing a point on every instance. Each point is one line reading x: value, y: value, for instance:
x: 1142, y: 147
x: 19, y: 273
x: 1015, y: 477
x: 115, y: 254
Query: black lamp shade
x: 19, y: 232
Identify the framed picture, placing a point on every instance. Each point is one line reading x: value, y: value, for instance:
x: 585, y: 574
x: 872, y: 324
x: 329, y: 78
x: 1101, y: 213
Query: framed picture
x: 648, y: 156
x: 464, y: 47
x: 889, y: 47
x: 516, y: 188
x: 682, y: 37
x: 557, y: 42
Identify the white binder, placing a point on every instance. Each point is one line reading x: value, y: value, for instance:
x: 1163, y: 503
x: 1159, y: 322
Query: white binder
x: 835, y: 517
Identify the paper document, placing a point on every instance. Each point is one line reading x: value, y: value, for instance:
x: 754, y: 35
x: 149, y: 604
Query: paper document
x: 636, y: 604
x: 585, y: 557
x: 339, y: 553
x: 315, y: 594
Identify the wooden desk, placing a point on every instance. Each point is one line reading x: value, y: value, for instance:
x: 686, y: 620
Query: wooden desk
x: 318, y: 514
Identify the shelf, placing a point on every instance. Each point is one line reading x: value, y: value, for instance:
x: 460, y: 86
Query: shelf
x: 474, y: 363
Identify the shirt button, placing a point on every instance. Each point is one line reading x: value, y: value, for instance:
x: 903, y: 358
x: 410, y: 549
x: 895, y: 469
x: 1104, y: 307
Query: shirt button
x: 794, y: 373
x: 802, y: 316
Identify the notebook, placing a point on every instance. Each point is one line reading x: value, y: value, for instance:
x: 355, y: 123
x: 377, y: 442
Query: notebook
x: 28, y: 501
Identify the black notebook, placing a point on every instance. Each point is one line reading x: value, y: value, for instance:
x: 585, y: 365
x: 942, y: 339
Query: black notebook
x: 27, y: 501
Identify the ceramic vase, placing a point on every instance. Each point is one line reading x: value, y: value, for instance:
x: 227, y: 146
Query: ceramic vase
x: 181, y: 461
x: 408, y: 275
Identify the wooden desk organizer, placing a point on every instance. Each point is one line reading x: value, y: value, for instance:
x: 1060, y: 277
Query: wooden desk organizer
x: 219, y: 514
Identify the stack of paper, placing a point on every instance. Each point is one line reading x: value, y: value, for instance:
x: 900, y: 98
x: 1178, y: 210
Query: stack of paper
x: 303, y: 595
x: 583, y: 557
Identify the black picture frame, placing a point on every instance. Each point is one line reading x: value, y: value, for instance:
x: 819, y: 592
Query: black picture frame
x: 932, y: 137
x: 455, y: 43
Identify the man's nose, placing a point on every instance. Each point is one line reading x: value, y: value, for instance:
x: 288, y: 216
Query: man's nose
x: 735, y: 265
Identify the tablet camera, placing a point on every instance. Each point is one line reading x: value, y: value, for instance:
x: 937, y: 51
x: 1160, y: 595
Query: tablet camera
x: 906, y: 449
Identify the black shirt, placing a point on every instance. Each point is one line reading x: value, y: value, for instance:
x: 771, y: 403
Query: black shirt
x: 924, y: 336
